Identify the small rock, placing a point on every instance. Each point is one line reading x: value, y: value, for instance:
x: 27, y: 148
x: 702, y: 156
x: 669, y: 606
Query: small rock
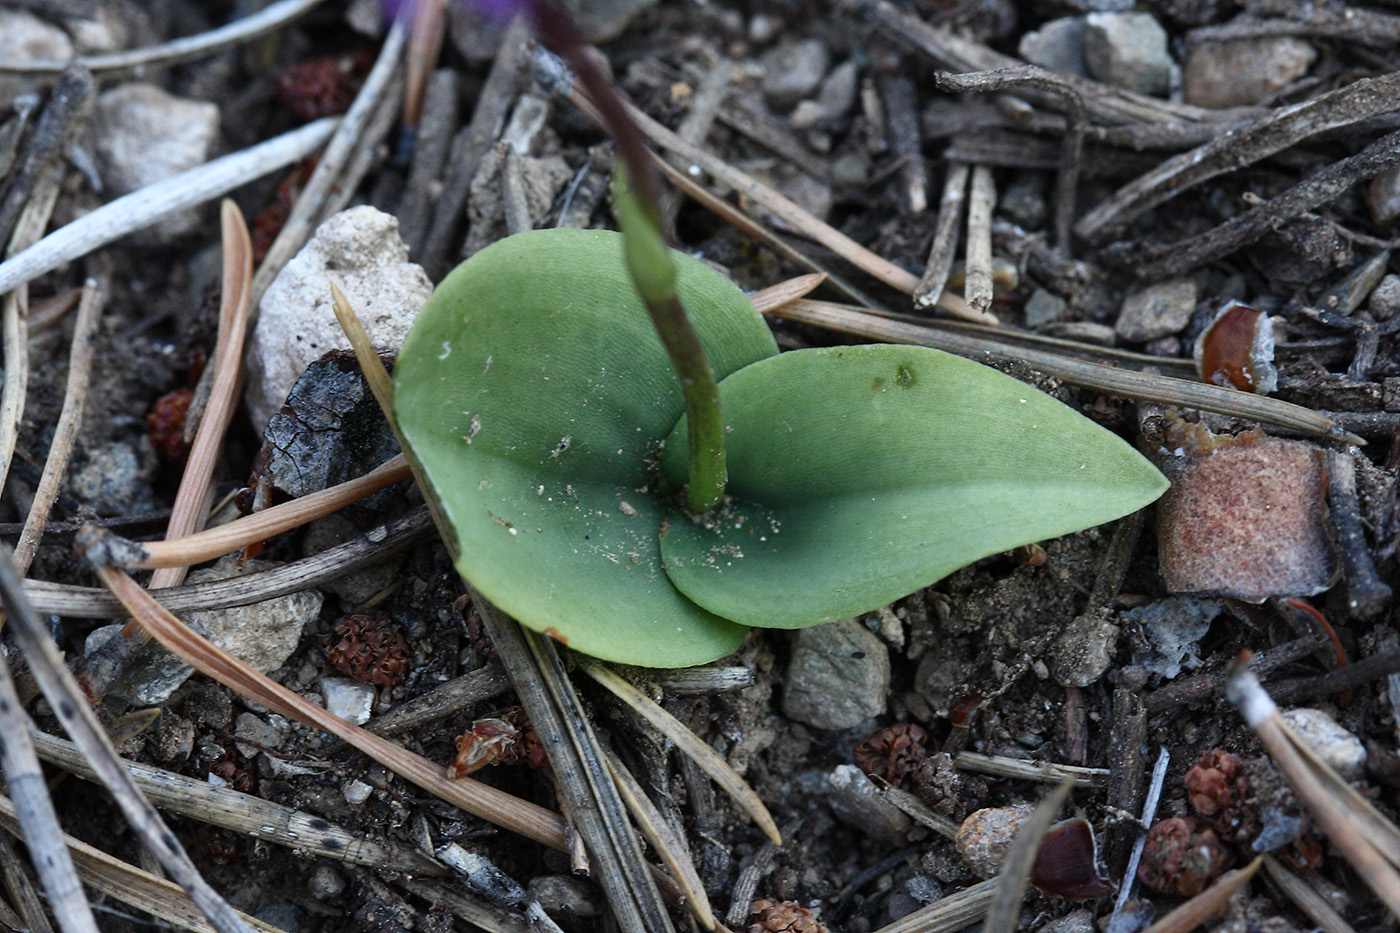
x: 367, y: 17
x: 565, y: 894
x: 1085, y: 648
x: 1128, y: 50
x: 850, y: 169
x: 1333, y: 744
x: 764, y: 28
x: 104, y: 31
x: 1243, y: 71
x: 1081, y: 921
x: 1383, y: 196
x: 1058, y: 45
x: 115, y: 481
x: 837, y: 94
x: 252, y: 734
x: 296, y: 325
x: 805, y: 115
x: 1301, y: 251
x: 263, y: 634
x: 144, y: 135
x: 1168, y: 631
x: 348, y: 699
x: 1158, y: 310
x: 1246, y: 520
x: 356, y: 792
x: 793, y: 71
x: 1023, y: 201
x: 354, y: 588
x: 27, y: 38
x: 857, y: 802
x: 605, y: 20
x: 986, y: 835
x: 1384, y: 302
x: 839, y: 676
x: 326, y: 882
x: 1044, y: 307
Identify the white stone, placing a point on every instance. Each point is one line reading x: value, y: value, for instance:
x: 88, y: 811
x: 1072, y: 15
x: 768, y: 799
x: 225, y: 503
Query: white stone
x: 348, y: 699
x: 106, y: 31
x: 356, y: 792
x: 1333, y: 744
x: 27, y: 38
x: 144, y: 135
x: 264, y: 634
x: 1157, y: 310
x: 361, y: 251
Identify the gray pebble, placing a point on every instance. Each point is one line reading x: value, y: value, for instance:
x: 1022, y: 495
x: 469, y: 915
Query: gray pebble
x: 1244, y: 71
x: 1159, y: 310
x: 793, y: 71
x: 1058, y: 45
x: 1383, y: 196
x: 1044, y: 307
x: 348, y: 699
x: 1384, y: 302
x: 1128, y: 50
x: 839, y: 676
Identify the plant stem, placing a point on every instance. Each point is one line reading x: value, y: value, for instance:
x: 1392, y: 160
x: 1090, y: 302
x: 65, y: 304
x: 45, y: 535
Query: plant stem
x: 648, y: 261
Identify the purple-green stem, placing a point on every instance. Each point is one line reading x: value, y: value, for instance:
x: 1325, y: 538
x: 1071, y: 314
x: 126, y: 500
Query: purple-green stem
x: 647, y: 259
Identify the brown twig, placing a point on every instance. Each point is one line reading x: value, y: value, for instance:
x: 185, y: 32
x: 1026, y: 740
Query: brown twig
x: 945, y: 236
x: 1239, y: 147
x: 1322, y: 187
x: 1208, y: 903
x: 1072, y: 146
x: 981, y: 198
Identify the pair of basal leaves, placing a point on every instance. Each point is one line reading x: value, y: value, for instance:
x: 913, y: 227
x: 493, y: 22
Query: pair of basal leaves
x: 543, y: 412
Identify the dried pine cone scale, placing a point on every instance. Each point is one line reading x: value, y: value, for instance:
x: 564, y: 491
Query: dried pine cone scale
x: 370, y: 649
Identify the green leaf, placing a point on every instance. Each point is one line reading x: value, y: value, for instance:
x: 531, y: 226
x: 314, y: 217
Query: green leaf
x: 534, y: 394
x: 861, y: 474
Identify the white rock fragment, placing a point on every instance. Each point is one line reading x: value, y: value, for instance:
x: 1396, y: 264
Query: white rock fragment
x: 263, y: 634
x: 27, y: 38
x: 361, y: 250
x: 1128, y: 50
x: 356, y: 792
x: 1333, y: 744
x: 144, y: 135
x: 348, y: 699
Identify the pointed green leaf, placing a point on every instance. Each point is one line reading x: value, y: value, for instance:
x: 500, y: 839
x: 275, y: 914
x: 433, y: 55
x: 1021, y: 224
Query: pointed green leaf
x: 860, y: 474
x: 534, y: 394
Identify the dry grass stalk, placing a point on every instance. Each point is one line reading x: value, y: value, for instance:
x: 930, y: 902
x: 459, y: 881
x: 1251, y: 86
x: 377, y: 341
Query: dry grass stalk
x: 775, y: 296
x: 1312, y: 904
x: 688, y: 742
x: 71, y: 415
x: 917, y: 810
x: 372, y: 547
x: 664, y: 841
x: 246, y: 813
x: 215, y: 542
x: 191, y: 509
x: 1015, y: 874
x: 1047, y: 772
x: 1115, y: 380
x: 479, y: 799
x: 149, y: 205
x: 981, y: 198
x: 71, y: 708
x: 177, y: 51
x: 38, y: 820
x: 945, y: 236
x: 131, y: 885
x: 1365, y: 837
x: 376, y: 376
x: 1208, y: 903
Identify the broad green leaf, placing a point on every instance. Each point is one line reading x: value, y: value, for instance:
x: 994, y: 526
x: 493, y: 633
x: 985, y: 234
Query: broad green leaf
x: 534, y: 394
x: 861, y: 474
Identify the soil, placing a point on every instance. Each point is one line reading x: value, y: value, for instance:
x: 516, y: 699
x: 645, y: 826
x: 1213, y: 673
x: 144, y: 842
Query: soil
x: 977, y: 660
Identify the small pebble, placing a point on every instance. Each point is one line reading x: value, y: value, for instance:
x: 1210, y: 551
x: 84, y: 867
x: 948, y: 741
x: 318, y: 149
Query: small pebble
x: 348, y: 699
x: 1128, y: 50
x: 1081, y: 921
x: 1383, y: 196
x: 565, y: 894
x: 1247, y: 520
x: 1044, y: 307
x: 1058, y: 45
x: 326, y: 882
x: 793, y: 71
x: 145, y: 135
x: 837, y: 94
x: 1159, y: 310
x: 1333, y: 744
x: 356, y: 792
x: 1244, y: 71
x: 839, y: 676
x: 252, y: 734
x: 986, y: 835
x: 1085, y: 648
x: 1384, y: 302
x: 26, y: 38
